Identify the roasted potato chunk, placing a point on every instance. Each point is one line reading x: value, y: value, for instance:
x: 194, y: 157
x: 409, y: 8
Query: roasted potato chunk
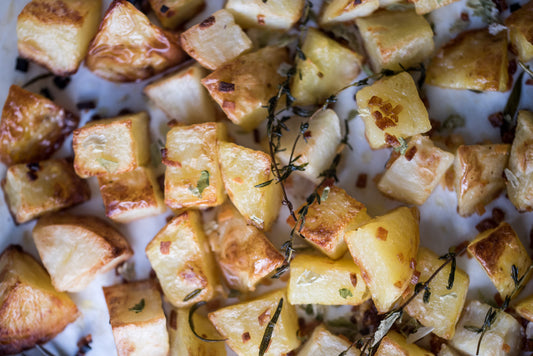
x: 411, y: 177
x: 192, y: 177
x: 111, y: 146
x: 395, y: 39
x: 184, y: 343
x: 272, y: 14
x: 519, y: 175
x: 244, y: 324
x: 445, y: 305
x: 339, y: 11
x: 394, y: 344
x: 32, y: 127
x: 137, y: 319
x: 447, y: 350
x: 423, y: 7
x: 242, y: 170
x: 474, y: 60
x: 74, y: 249
x: 243, y: 253
x: 127, y: 47
x: 327, y: 68
x: 322, y: 342
x: 503, y: 337
x: 524, y: 308
x: 497, y: 251
x: 172, y: 13
x: 391, y: 108
x: 243, y: 86
x: 327, y: 221
x: 34, y: 189
x: 317, y: 147
x: 131, y: 195
x: 182, y: 97
x: 479, y: 176
x: 216, y: 40
x: 56, y: 33
x: 385, y: 249
x: 520, y: 24
x: 32, y: 311
x: 321, y: 280
x: 180, y: 257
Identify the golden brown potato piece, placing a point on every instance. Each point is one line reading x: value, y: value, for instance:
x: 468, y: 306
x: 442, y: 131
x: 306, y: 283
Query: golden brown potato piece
x: 520, y: 24
x: 396, y: 39
x: 339, y: 11
x: 497, y: 251
x: 56, y: 33
x: 172, y: 13
x: 216, y: 40
x: 244, y: 324
x: 131, y: 195
x: 32, y: 311
x: 479, y: 176
x: 271, y: 14
x: 327, y: 221
x: 322, y: 342
x: 34, y: 189
x: 32, y: 127
x: 74, y: 249
x: 137, y: 319
x: 524, y: 308
x: 128, y: 47
x: 243, y: 86
x: 182, y: 261
x: 474, y: 60
x: 243, y: 253
x: 111, y: 146
x: 423, y: 7
x: 394, y: 344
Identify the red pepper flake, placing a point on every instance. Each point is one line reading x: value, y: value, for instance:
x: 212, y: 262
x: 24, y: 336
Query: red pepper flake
x: 84, y: 345
x: 415, y: 277
x: 264, y: 317
x: 307, y: 134
x: 361, y: 180
x: 164, y: 247
x: 486, y: 224
x: 208, y: 22
x: 498, y: 215
x: 226, y: 87
x: 228, y: 105
x: 465, y: 17
x: 353, y: 279
x: 410, y: 153
x: 261, y: 19
x: 246, y: 337
x: 391, y: 140
x: 496, y: 119
x: 382, y: 233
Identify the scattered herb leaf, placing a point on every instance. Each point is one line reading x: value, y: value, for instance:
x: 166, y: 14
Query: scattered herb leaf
x: 137, y: 308
x: 193, y: 309
x: 345, y: 293
x: 192, y: 294
x: 265, y: 341
x: 203, y: 182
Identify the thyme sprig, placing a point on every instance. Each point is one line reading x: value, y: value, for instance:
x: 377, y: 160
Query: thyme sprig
x: 193, y: 310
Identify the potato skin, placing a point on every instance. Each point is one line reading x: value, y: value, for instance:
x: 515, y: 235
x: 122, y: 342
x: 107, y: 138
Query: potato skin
x: 32, y: 127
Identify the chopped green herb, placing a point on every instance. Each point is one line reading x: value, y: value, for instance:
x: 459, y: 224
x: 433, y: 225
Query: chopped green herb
x: 203, y: 182
x: 192, y: 294
x: 402, y: 148
x: 345, y: 293
x: 193, y: 310
x: 137, y: 308
x: 265, y: 342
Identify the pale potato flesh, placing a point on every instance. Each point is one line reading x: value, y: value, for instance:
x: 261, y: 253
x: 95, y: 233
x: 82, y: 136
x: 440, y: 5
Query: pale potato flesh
x: 322, y: 342
x: 338, y: 11
x: 394, y: 344
x: 520, y: 24
x: 272, y: 14
x: 172, y: 13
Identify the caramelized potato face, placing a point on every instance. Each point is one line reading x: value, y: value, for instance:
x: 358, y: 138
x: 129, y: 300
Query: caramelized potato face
x: 322, y: 342
x: 524, y: 308
x: 32, y: 127
x: 520, y: 24
x: 272, y: 14
x: 172, y: 13
x: 128, y: 47
x: 423, y: 7
x: 394, y: 344
x: 339, y: 11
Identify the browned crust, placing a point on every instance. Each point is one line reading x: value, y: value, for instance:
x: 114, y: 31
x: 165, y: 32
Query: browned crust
x: 489, y: 249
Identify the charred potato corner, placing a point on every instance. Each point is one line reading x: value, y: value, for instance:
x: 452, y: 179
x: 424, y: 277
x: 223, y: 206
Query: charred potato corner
x: 266, y: 177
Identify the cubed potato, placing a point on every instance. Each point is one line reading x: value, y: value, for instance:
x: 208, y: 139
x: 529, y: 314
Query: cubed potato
x: 172, y: 13
x: 216, y: 40
x: 396, y: 39
x: 520, y: 24
x: 520, y: 168
x: 111, y: 146
x: 192, y: 177
x: 137, y: 319
x: 127, y: 47
x: 447, y: 350
x: 243, y: 253
x: 182, y: 97
x: 56, y: 33
x: 339, y: 11
x: 131, y: 195
x: 385, y: 249
x: 445, y: 305
x: 75, y: 249
x: 479, y: 176
x: 474, y: 60
x: 242, y: 170
x: 180, y: 257
x: 503, y: 338
x: 321, y: 280
x: 34, y: 189
x: 271, y: 14
x: 411, y: 177
x: 317, y: 147
x: 423, y: 7
x: 243, y: 86
x: 32, y: 127
x: 322, y: 342
x: 391, y: 108
x: 32, y: 311
x: 394, y: 344
x: 327, y: 68
x: 524, y: 308
x: 327, y: 221
x: 184, y: 343
x: 497, y: 251
x: 244, y: 324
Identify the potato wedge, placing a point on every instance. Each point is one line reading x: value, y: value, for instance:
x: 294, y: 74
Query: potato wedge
x: 322, y: 342
x: 172, y: 13
x: 524, y: 308
x: 339, y: 11
x: 520, y: 24
x: 271, y: 15
x: 394, y: 344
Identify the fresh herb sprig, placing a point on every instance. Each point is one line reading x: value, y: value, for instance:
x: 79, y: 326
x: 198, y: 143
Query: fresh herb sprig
x: 193, y: 310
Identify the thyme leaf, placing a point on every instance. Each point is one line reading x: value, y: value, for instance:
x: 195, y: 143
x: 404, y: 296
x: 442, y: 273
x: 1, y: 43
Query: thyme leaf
x: 192, y: 294
x: 137, y: 308
x: 267, y: 336
x: 203, y: 182
x: 345, y: 293
x: 193, y: 310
